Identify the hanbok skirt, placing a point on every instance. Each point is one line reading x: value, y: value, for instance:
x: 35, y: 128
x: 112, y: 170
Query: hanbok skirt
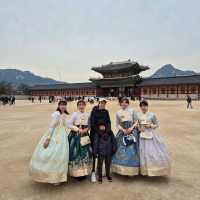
x: 50, y: 165
x: 154, y: 157
x: 79, y: 156
x: 126, y: 160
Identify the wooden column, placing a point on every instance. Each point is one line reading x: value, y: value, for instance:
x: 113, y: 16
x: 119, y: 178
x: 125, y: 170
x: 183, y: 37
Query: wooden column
x: 167, y: 87
x: 198, y: 92
x: 187, y: 89
x: 177, y: 87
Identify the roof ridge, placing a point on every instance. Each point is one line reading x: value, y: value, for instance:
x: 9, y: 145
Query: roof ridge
x: 171, y: 76
x: 120, y: 62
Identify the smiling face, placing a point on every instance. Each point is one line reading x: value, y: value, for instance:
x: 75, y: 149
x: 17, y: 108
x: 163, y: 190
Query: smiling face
x: 62, y: 107
x: 81, y: 106
x: 102, y: 105
x: 124, y: 104
x: 144, y: 108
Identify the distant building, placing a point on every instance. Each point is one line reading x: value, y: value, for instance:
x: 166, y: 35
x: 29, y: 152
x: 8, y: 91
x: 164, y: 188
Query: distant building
x: 69, y: 90
x: 171, y: 88
x: 123, y: 79
x: 119, y: 78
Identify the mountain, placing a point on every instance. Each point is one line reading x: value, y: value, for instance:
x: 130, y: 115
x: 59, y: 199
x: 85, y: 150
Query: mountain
x: 18, y: 77
x: 170, y: 71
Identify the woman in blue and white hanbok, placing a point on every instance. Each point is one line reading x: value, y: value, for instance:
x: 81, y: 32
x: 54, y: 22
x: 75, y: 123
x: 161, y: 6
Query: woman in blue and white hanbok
x: 49, y: 163
x: 154, y: 157
x: 126, y: 160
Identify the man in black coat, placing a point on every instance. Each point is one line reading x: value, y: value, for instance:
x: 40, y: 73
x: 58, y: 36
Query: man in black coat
x: 98, y: 114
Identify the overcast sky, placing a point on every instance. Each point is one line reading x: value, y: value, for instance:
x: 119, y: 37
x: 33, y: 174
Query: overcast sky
x: 63, y: 39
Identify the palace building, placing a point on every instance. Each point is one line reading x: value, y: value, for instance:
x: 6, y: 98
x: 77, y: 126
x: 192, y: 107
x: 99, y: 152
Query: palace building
x: 171, y: 88
x: 119, y: 78
x: 123, y: 79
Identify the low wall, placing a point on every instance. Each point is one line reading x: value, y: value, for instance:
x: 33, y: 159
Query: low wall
x: 22, y: 97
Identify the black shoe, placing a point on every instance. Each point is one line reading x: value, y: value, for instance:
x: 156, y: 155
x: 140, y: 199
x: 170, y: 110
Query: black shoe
x: 81, y: 178
x: 109, y: 178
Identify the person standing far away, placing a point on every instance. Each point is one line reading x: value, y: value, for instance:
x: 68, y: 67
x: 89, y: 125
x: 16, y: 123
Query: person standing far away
x: 40, y: 99
x: 98, y: 114
x: 189, y: 102
x: 13, y: 100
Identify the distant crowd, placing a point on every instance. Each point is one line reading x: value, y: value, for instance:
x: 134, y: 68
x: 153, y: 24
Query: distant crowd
x: 54, y: 99
x: 10, y: 100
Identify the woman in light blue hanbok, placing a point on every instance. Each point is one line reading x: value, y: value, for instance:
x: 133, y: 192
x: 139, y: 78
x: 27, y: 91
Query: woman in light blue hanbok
x: 154, y: 157
x: 126, y: 160
x: 49, y: 163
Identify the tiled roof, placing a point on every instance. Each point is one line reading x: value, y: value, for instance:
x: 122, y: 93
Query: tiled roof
x: 194, y: 79
x: 117, y: 82
x: 178, y: 80
x: 120, y: 66
x: 64, y: 86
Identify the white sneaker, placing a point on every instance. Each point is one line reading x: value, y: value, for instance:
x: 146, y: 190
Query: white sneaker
x: 93, y: 177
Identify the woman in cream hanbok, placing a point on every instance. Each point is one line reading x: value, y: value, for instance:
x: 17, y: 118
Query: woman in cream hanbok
x: 79, y: 143
x: 154, y: 158
x: 126, y: 160
x: 49, y: 163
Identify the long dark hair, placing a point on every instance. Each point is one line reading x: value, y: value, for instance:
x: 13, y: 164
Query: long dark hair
x: 124, y: 99
x: 64, y: 103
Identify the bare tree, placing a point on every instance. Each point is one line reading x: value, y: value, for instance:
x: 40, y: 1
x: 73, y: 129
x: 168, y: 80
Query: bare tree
x: 5, y: 88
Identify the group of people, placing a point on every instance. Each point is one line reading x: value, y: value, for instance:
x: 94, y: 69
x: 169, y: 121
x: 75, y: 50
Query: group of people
x: 7, y: 100
x: 136, y: 149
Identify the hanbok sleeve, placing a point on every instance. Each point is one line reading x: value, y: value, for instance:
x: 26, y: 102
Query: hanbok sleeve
x: 155, y: 121
x: 66, y: 122
x: 118, y: 122
x: 71, y: 122
x: 89, y: 121
x: 135, y: 117
x: 53, y: 123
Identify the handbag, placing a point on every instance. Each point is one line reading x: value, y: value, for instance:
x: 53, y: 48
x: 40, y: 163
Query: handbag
x: 129, y: 139
x: 85, y: 140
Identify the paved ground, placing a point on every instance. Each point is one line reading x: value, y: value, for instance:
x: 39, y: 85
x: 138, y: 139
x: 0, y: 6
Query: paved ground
x: 21, y: 127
